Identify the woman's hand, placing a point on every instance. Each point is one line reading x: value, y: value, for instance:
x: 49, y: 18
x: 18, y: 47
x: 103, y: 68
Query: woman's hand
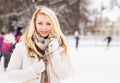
x: 39, y: 66
x: 53, y: 45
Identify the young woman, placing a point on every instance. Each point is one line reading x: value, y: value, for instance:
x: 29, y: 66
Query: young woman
x: 41, y: 55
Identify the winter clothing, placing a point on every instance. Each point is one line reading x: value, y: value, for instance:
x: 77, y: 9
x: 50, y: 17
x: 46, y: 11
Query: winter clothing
x: 1, y: 46
x: 76, y: 34
x: 1, y: 43
x: 27, y: 69
x: 9, y: 40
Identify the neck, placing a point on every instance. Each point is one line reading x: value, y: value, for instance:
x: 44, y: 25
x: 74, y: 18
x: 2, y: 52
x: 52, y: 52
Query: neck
x: 45, y: 37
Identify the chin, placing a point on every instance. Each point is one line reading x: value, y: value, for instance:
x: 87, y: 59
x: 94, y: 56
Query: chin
x: 44, y: 35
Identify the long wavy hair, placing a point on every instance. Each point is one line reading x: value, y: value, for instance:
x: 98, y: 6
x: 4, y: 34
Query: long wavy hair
x: 31, y: 29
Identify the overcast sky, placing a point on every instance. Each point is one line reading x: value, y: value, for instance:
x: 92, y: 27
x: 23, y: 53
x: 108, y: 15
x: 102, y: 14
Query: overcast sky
x: 111, y: 14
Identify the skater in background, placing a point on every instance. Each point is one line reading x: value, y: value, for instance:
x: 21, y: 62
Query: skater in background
x: 108, y: 39
x: 76, y: 35
x: 1, y: 43
x: 17, y: 37
x: 9, y: 40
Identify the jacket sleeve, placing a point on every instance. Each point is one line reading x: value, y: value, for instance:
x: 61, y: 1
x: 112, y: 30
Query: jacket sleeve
x: 14, y: 70
x: 60, y: 65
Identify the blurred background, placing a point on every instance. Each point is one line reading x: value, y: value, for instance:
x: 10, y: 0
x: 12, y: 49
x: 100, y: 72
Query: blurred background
x: 90, y: 21
x: 89, y: 17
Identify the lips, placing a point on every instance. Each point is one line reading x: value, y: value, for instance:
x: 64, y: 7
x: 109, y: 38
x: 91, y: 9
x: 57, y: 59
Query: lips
x: 44, y: 32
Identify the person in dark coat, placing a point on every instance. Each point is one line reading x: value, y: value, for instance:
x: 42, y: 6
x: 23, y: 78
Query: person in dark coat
x: 109, y: 39
x: 76, y: 34
x: 1, y: 43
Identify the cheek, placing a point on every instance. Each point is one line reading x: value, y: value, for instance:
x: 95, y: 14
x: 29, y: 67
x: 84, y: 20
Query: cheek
x: 49, y: 29
x: 38, y: 27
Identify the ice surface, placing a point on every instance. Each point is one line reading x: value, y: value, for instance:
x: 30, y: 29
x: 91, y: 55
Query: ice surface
x: 92, y: 62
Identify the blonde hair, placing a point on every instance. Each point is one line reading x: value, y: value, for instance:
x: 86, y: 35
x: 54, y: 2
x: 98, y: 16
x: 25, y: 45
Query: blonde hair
x: 31, y: 29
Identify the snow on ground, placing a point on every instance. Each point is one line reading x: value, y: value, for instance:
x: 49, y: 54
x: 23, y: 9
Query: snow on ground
x: 92, y: 62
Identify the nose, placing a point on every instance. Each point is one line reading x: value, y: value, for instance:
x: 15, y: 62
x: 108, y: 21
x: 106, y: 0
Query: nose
x: 44, y: 27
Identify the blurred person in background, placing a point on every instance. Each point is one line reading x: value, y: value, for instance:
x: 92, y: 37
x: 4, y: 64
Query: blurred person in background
x: 9, y: 40
x: 1, y: 43
x: 41, y: 56
x: 13, y: 46
x: 108, y: 39
x: 18, y: 35
x: 76, y: 35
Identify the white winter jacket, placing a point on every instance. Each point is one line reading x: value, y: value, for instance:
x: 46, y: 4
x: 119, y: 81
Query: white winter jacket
x: 21, y: 67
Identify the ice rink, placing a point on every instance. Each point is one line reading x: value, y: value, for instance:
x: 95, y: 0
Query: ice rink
x: 92, y: 62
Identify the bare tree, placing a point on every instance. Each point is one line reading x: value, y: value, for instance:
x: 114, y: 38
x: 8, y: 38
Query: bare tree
x: 70, y: 12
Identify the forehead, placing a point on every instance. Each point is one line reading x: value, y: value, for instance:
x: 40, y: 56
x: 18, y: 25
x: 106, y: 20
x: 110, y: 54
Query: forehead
x: 41, y: 16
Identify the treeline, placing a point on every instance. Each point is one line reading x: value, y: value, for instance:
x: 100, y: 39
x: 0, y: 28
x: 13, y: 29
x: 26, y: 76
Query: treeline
x: 71, y: 13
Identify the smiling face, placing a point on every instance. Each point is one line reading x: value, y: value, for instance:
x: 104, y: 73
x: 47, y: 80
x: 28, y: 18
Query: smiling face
x: 43, y: 25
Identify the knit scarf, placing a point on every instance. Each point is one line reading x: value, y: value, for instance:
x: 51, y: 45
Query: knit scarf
x: 42, y: 46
